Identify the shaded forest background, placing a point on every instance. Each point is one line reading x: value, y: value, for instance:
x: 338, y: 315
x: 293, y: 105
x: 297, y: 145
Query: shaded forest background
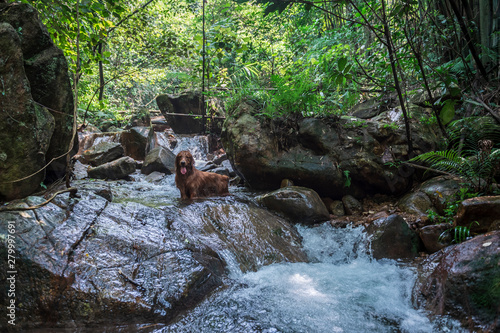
x: 314, y: 58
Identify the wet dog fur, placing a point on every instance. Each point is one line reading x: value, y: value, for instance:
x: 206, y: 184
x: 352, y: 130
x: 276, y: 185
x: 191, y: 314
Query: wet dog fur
x: 196, y: 184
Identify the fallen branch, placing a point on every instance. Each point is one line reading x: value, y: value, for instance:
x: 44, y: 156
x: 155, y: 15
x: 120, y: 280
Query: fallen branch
x: 490, y: 110
x: 72, y: 191
x: 430, y: 169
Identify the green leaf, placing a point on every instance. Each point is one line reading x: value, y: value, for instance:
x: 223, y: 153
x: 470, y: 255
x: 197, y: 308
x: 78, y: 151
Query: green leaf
x: 341, y: 63
x: 448, y: 111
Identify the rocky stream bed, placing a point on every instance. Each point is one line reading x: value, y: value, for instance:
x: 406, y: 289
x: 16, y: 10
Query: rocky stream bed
x: 129, y: 255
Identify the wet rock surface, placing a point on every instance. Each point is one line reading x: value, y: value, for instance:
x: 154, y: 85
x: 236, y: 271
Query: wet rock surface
x: 435, y: 237
x: 159, y: 159
x: 105, y: 263
x: 117, y: 169
x: 108, y: 259
x: 102, y: 152
x: 136, y: 141
x: 481, y: 214
x: 462, y: 281
x: 392, y: 238
x: 351, y: 205
x: 22, y: 152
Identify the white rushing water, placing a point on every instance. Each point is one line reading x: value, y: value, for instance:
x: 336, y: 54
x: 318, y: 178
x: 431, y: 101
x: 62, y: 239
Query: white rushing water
x: 341, y: 290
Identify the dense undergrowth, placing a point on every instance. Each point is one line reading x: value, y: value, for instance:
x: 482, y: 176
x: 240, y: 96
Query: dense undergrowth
x: 307, y: 58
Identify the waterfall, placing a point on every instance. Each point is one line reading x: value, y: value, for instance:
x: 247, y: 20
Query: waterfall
x: 341, y: 289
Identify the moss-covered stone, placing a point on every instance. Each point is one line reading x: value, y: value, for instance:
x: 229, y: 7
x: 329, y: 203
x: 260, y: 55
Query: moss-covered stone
x: 25, y: 127
x: 47, y: 77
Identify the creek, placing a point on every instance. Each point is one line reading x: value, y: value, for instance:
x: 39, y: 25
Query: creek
x: 335, y: 287
x: 340, y: 289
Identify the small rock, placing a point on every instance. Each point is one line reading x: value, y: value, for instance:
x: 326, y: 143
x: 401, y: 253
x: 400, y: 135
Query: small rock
x: 106, y: 193
x: 218, y: 160
x: 101, y: 153
x: 227, y: 164
x: 117, y: 169
x: 433, y: 238
x: 221, y: 171
x: 207, y: 167
x: 210, y: 157
x: 235, y: 181
x: 337, y: 208
x: 392, y: 238
x: 154, y: 177
x: 340, y: 223
x: 286, y: 182
x: 351, y: 205
x: 376, y: 216
x: 417, y: 203
x: 483, y: 210
x: 159, y: 159
x: 300, y: 204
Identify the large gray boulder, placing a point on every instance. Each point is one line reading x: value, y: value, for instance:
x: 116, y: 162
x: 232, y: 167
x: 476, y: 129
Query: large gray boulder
x: 47, y: 72
x: 159, y: 159
x: 117, y: 169
x: 89, y: 262
x: 186, y: 104
x: 325, y: 154
x: 136, y: 141
x: 25, y: 127
x: 102, y: 152
x: 92, y: 262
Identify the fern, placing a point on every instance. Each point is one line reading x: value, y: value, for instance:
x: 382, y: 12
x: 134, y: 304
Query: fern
x: 477, y: 168
x: 464, y: 134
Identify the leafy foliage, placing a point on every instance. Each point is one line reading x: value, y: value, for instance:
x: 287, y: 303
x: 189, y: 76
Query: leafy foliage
x: 451, y: 206
x: 459, y: 234
x: 293, y: 57
x: 477, y: 168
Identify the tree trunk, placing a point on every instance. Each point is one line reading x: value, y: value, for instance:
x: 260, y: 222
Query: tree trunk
x: 101, y: 73
x: 392, y: 58
x: 485, y: 21
x: 468, y: 38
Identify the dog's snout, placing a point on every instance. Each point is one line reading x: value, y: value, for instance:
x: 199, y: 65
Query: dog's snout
x: 183, y: 163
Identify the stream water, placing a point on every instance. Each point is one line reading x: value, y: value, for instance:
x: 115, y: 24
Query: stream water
x: 340, y: 289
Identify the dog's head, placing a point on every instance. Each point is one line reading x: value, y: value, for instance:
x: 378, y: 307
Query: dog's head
x: 184, y: 162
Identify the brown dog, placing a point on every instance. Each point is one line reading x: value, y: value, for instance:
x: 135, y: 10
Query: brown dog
x: 195, y: 184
